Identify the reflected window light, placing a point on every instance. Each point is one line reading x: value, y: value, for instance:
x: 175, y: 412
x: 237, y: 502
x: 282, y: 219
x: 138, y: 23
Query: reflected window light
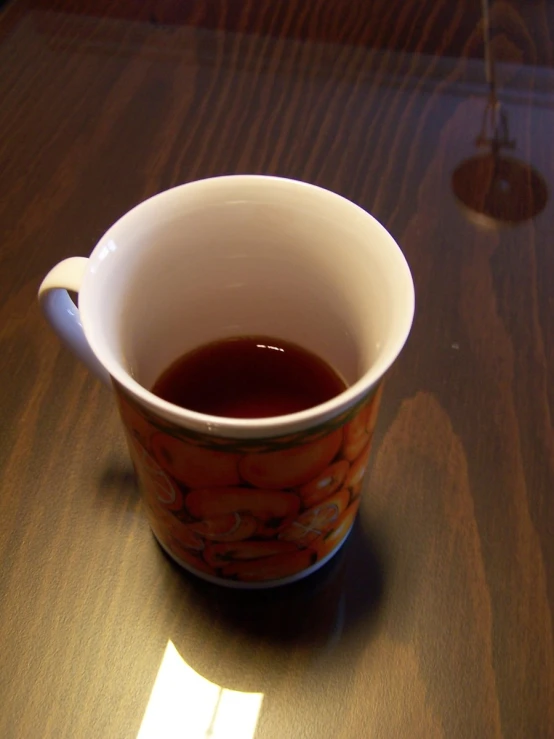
x: 109, y: 247
x: 184, y: 704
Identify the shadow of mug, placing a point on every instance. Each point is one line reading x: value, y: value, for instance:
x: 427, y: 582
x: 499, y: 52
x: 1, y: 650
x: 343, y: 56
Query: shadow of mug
x: 239, y: 635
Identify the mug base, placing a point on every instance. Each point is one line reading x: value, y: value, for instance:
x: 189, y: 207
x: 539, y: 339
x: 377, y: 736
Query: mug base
x: 237, y: 585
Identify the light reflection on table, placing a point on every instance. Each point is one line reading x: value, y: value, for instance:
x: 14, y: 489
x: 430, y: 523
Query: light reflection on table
x: 183, y: 703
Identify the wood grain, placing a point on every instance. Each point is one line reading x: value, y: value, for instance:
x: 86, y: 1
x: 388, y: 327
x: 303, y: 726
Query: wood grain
x: 436, y: 619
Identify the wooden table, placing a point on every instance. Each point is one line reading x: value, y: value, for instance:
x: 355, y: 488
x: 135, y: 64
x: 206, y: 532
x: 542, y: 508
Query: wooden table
x: 436, y: 619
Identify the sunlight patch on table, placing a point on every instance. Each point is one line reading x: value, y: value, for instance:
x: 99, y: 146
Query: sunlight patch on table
x: 184, y: 705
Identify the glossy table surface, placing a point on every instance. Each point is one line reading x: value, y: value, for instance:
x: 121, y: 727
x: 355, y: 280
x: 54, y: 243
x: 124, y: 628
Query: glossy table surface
x: 435, y: 620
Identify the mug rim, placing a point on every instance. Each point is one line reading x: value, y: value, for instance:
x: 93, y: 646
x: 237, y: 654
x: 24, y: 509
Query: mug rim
x: 252, y: 428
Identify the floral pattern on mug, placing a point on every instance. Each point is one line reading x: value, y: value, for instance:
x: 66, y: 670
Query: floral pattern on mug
x: 255, y: 510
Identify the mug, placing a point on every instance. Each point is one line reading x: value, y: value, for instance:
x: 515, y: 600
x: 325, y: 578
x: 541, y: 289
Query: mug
x: 241, y: 502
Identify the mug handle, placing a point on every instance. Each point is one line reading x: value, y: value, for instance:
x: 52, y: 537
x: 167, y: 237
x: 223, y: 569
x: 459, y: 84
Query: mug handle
x: 63, y: 315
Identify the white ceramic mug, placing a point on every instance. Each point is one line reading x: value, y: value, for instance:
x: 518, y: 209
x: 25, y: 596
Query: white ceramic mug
x: 237, y: 256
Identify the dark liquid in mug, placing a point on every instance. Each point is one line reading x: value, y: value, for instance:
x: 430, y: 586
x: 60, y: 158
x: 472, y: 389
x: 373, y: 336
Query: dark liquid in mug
x: 248, y: 377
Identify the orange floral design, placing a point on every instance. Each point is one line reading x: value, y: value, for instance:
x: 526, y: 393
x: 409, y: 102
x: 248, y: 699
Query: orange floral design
x: 290, y: 467
x: 324, y: 484
x: 355, y: 435
x: 232, y: 527
x: 250, y: 511
x: 358, y: 467
x: 270, y: 568
x: 159, y: 490
x: 195, y: 466
x: 218, y: 555
x: 186, y: 556
x: 134, y: 420
x: 333, y: 538
x: 316, y: 521
x: 264, y: 505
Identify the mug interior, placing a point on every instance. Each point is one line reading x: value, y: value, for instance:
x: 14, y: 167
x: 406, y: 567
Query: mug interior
x: 246, y: 255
